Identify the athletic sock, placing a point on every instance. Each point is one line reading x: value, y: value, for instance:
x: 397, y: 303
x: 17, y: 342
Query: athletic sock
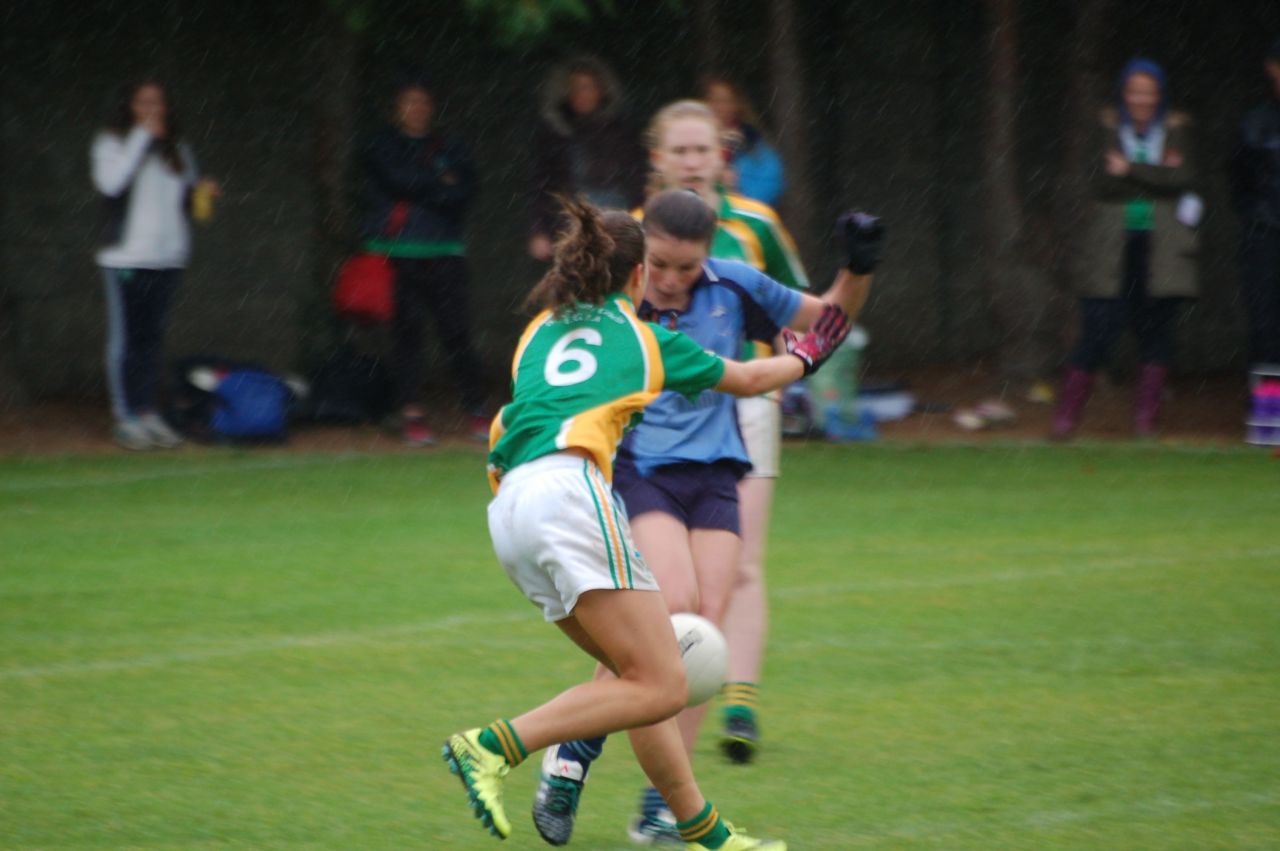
x: 706, y: 828
x: 651, y: 802
x: 740, y: 700
x: 584, y: 751
x: 500, y: 738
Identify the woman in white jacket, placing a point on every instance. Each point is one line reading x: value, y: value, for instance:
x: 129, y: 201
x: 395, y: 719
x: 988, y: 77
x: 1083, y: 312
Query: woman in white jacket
x: 148, y: 177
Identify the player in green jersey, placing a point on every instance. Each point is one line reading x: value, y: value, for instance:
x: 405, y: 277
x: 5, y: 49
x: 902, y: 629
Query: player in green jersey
x: 582, y: 373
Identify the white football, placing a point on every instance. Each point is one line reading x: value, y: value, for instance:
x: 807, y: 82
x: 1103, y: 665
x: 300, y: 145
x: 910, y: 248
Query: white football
x: 704, y: 653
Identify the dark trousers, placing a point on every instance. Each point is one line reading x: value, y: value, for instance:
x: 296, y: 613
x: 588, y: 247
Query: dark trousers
x: 1260, y: 286
x: 438, y: 286
x: 1103, y: 320
x: 137, y: 305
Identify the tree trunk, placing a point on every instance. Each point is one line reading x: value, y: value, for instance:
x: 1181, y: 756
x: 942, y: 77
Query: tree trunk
x: 789, y: 116
x: 1017, y: 281
x: 1079, y: 115
x: 334, y: 95
x: 707, y: 24
x: 12, y: 393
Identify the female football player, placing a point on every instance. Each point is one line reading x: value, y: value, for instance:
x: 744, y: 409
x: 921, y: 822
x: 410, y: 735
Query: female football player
x: 584, y: 368
x: 685, y: 149
x: 678, y: 471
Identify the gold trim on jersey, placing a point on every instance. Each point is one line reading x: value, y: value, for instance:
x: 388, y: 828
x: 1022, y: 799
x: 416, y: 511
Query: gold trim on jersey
x: 529, y: 330
x: 598, y: 430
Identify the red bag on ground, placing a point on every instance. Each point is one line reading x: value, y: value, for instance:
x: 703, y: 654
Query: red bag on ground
x: 365, y: 290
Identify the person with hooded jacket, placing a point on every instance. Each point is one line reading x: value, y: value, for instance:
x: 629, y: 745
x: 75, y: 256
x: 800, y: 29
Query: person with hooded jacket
x: 584, y: 146
x: 1142, y: 254
x: 1255, y: 194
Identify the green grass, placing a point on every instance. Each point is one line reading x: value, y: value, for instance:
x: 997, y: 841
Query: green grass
x: 972, y: 648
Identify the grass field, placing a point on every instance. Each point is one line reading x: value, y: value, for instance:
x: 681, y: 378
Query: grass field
x: 973, y: 648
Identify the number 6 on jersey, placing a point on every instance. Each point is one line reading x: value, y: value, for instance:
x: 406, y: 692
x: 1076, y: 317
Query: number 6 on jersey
x: 561, y: 354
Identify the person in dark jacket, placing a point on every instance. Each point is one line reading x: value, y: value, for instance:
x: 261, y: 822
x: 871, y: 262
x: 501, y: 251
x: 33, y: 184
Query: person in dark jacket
x: 1255, y: 194
x: 419, y: 185
x: 584, y: 145
x: 1142, y: 244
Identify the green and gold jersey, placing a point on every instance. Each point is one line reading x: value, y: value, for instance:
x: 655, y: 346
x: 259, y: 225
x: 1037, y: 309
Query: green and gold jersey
x: 752, y: 232
x: 580, y: 379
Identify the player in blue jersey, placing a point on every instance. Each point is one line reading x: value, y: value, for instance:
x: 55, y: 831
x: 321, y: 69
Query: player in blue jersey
x: 583, y: 371
x: 678, y: 471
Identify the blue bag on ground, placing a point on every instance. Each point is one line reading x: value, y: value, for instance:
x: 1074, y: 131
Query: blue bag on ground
x: 251, y: 404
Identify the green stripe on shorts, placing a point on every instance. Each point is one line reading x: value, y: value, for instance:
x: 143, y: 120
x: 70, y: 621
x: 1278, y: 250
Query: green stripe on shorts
x: 604, y: 526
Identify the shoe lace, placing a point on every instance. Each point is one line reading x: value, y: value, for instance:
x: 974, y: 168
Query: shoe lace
x: 562, y: 795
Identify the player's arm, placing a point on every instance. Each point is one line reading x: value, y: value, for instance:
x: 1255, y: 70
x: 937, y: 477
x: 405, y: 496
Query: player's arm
x: 803, y: 357
x: 862, y: 238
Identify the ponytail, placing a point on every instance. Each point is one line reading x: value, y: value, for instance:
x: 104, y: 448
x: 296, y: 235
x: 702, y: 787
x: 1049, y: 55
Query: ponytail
x: 593, y: 257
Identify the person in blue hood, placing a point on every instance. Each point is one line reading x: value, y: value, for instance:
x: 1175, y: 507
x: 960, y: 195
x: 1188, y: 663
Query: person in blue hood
x: 1141, y: 239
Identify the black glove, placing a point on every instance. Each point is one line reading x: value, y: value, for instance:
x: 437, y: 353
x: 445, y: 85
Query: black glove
x: 861, y: 236
x: 824, y: 337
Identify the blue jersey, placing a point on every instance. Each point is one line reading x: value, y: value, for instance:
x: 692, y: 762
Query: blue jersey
x: 731, y: 303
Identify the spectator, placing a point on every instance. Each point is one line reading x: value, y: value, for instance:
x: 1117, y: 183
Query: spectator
x: 1143, y: 254
x: 753, y: 167
x: 1255, y: 192
x: 584, y: 145
x: 420, y: 184
x: 148, y: 176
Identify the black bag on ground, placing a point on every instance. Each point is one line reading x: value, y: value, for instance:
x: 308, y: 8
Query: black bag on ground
x: 349, y: 387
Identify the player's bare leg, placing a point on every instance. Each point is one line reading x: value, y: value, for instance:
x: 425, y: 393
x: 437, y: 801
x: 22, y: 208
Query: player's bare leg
x: 746, y: 622
x: 715, y: 557
x: 665, y: 544
x: 630, y: 631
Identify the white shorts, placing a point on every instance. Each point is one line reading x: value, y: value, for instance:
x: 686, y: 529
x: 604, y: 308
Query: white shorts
x: 559, y: 531
x: 760, y: 420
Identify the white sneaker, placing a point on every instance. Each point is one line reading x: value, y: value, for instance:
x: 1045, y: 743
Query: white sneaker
x: 160, y: 432
x: 131, y: 434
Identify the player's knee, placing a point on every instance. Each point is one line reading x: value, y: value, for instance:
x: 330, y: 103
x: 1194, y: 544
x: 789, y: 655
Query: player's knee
x: 665, y: 691
x: 672, y: 694
x: 682, y: 598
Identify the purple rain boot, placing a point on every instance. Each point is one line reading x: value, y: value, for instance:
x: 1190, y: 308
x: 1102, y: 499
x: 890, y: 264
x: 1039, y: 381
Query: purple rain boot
x: 1147, y: 398
x: 1077, y: 386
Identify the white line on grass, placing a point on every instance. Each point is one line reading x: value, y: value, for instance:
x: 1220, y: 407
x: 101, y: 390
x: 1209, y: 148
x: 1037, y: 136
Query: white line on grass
x: 1119, y: 564
x: 175, y: 471
x: 330, y: 639
x: 260, y: 645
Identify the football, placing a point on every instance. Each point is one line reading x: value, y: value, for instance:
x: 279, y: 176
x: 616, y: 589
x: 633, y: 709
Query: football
x: 704, y: 653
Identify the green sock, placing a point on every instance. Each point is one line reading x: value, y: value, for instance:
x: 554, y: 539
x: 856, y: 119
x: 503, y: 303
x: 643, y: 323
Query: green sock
x: 706, y: 828
x: 500, y: 738
x: 740, y: 700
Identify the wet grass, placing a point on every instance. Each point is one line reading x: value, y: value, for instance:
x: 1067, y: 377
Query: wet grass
x: 972, y: 648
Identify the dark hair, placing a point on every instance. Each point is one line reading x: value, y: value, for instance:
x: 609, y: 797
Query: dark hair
x: 120, y: 121
x: 746, y: 111
x: 680, y: 214
x: 594, y: 257
x: 412, y: 77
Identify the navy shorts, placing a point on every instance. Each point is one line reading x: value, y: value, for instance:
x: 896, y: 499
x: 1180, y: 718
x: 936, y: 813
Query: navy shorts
x: 701, y: 496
